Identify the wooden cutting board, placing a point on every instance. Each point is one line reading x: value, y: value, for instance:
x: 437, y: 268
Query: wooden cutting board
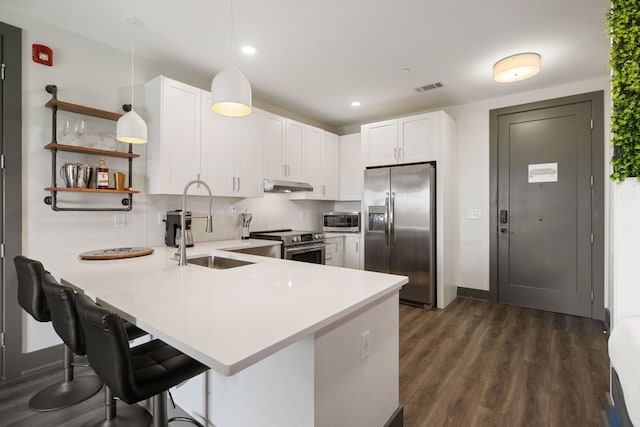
x: 116, y: 253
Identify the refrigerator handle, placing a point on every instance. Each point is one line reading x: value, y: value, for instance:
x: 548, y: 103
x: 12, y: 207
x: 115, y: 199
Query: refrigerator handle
x: 392, y: 208
x: 387, y: 226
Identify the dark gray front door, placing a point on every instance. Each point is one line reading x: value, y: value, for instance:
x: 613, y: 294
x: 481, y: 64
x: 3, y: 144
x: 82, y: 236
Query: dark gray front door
x: 544, y: 208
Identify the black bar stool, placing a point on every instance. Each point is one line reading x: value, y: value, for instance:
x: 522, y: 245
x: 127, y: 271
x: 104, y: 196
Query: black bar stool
x: 32, y: 299
x: 132, y: 374
x: 61, y: 301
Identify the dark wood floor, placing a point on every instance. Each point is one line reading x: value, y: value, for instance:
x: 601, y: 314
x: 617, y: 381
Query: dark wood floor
x: 478, y: 363
x: 474, y: 364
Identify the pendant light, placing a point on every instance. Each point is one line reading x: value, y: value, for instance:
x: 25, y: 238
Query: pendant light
x: 130, y: 127
x: 230, y: 89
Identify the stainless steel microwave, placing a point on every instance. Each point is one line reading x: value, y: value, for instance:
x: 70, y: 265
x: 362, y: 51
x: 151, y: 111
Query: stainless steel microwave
x: 341, y: 222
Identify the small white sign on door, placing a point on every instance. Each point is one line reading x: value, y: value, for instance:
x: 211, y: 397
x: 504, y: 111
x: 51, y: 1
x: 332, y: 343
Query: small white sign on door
x: 543, y: 172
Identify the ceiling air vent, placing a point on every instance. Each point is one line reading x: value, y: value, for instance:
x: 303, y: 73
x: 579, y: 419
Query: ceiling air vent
x: 429, y: 87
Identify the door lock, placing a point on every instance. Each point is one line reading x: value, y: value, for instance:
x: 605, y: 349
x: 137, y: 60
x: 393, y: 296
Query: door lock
x: 503, y: 229
x: 503, y: 216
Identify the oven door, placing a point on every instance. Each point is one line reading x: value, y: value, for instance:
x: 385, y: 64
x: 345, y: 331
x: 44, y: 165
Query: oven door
x: 313, y: 253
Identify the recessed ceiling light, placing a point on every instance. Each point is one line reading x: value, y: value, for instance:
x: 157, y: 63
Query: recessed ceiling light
x: 355, y: 104
x: 405, y: 70
x: 249, y: 50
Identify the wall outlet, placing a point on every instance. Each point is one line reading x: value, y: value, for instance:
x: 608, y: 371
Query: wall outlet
x: 364, y: 345
x: 119, y: 220
x: 160, y: 218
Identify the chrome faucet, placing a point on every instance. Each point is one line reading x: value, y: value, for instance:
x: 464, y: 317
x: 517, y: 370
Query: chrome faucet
x: 182, y: 251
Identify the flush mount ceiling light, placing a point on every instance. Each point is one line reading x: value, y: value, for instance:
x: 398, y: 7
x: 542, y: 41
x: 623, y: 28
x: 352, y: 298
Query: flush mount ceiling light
x: 355, y: 104
x: 230, y: 89
x: 130, y: 127
x: 516, y: 67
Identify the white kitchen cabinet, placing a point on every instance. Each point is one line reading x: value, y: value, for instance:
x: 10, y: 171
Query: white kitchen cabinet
x: 351, y: 170
x: 249, y: 150
x: 274, y: 133
x: 283, y: 148
x: 380, y: 143
x: 312, y: 162
x: 405, y: 140
x: 293, y: 150
x: 217, y: 148
x: 232, y: 150
x: 334, y: 252
x: 330, y: 166
x: 173, y: 121
x: 352, y: 246
x: 320, y: 164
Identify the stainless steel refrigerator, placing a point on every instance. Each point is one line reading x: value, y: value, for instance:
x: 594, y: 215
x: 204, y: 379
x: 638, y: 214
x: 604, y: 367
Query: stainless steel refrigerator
x: 399, y: 236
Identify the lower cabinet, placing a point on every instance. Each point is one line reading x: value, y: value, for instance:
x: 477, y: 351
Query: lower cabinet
x: 334, y: 252
x: 344, y: 251
x: 352, y: 250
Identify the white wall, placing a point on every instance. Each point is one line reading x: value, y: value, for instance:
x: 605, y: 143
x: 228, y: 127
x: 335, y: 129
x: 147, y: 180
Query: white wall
x: 473, y: 156
x: 624, y: 300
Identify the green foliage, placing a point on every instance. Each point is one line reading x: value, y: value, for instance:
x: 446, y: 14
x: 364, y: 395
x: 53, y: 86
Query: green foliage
x: 624, y: 26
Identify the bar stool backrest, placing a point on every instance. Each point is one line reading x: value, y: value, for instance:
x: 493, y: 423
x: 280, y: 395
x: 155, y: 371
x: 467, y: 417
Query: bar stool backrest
x: 107, y: 348
x: 30, y: 295
x: 61, y: 301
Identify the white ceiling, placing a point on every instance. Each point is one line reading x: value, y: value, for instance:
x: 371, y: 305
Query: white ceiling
x: 315, y: 57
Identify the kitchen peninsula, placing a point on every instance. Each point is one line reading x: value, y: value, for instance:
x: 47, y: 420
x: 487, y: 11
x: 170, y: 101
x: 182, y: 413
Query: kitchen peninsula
x: 288, y: 343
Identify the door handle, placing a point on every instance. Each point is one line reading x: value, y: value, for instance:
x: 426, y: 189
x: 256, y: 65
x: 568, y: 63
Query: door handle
x: 388, y: 224
x: 392, y: 209
x: 238, y: 183
x: 234, y: 183
x: 395, y: 154
x: 503, y: 229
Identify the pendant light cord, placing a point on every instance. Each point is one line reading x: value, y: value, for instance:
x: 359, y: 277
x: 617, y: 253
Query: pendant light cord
x: 231, y: 13
x: 133, y: 28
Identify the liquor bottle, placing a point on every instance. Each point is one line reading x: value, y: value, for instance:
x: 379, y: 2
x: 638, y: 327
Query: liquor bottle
x: 102, y: 175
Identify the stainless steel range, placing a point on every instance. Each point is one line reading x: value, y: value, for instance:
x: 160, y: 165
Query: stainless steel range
x: 305, y: 246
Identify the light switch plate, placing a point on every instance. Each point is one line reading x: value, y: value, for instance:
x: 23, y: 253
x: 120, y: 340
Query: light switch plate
x: 474, y: 214
x: 119, y: 220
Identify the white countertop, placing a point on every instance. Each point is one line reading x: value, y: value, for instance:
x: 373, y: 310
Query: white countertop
x: 227, y: 319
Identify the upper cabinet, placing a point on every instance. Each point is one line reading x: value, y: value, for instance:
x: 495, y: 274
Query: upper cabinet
x: 187, y: 140
x: 330, y: 163
x: 319, y: 164
x: 405, y: 140
x: 173, y: 120
x: 351, y: 175
x: 283, y: 148
x: 231, y: 150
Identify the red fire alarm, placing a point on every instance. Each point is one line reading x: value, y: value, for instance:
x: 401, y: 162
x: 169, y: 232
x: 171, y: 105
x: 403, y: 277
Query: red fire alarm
x: 42, y: 54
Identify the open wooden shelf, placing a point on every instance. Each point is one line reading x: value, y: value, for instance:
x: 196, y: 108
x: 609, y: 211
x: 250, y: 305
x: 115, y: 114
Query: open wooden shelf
x: 52, y: 200
x: 93, y: 190
x: 81, y: 109
x: 89, y: 150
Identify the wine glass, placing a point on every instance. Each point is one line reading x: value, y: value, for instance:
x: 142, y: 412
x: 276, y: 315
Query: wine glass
x: 79, y: 128
x: 65, y: 129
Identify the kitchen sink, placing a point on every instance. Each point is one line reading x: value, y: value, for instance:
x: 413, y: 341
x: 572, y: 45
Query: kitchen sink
x: 218, y: 262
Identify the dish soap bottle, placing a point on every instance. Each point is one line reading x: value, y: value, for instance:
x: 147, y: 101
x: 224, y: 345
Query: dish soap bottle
x: 102, y: 175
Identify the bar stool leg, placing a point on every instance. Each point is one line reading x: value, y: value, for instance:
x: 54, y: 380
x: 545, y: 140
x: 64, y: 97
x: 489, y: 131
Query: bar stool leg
x: 128, y: 416
x: 67, y: 392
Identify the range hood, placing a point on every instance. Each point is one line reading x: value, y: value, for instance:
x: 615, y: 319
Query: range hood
x: 281, y: 186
